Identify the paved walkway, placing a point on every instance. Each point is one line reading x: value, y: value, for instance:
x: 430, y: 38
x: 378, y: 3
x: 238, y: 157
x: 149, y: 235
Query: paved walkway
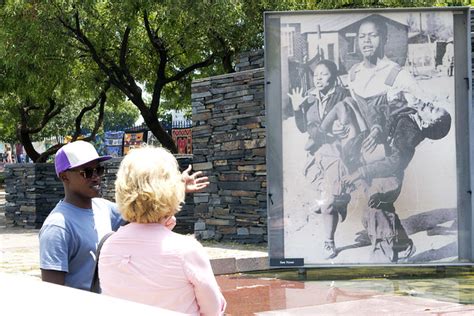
x: 19, y: 252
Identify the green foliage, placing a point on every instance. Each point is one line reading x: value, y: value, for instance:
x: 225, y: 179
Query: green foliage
x: 39, y: 64
x: 7, y: 126
x: 120, y: 116
x: 338, y: 4
x: 446, y: 3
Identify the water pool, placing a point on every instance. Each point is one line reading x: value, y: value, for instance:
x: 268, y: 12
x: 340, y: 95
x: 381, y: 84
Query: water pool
x: 275, y: 291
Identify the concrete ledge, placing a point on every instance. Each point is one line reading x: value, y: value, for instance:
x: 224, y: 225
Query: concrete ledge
x: 223, y: 266
x: 33, y: 297
x: 252, y: 264
x: 237, y: 265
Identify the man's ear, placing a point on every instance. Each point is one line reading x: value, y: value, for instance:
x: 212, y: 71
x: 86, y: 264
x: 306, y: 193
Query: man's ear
x: 63, y: 177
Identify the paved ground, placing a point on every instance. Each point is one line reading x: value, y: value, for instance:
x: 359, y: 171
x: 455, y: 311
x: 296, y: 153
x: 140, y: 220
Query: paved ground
x: 19, y: 252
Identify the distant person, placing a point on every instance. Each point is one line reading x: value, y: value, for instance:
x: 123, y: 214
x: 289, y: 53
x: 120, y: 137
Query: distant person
x: 448, y: 58
x: 8, y: 154
x: 71, y: 232
x: 145, y: 261
x: 19, y: 153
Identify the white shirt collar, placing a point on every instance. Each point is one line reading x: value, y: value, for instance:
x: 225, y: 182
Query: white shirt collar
x: 381, y: 64
x: 326, y: 96
x: 417, y: 119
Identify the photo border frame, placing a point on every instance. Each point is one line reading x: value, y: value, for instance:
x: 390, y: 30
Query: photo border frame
x: 464, y: 118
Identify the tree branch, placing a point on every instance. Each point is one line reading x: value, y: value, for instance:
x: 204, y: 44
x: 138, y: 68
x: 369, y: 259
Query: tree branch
x: 118, y: 76
x: 133, y: 87
x: 48, y: 152
x: 207, y: 62
x: 24, y: 131
x: 79, y: 35
x: 50, y: 112
x: 78, y: 122
x: 227, y: 54
x: 159, y: 45
x: 123, y: 48
x: 100, y: 119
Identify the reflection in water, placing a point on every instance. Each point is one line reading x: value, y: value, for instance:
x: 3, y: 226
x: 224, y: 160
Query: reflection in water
x: 247, y: 294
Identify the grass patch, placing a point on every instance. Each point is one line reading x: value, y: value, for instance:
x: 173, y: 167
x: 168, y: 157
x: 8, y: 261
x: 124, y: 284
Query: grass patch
x: 366, y: 273
x: 234, y: 245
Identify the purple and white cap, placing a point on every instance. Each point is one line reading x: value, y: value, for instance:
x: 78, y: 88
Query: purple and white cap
x: 76, y: 154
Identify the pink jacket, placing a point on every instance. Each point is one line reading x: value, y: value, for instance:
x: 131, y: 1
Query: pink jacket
x: 149, y: 264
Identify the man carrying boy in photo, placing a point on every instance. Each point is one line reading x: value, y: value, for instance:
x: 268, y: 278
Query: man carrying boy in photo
x: 407, y: 128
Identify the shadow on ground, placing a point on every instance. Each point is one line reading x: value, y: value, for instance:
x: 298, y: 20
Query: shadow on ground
x: 438, y: 222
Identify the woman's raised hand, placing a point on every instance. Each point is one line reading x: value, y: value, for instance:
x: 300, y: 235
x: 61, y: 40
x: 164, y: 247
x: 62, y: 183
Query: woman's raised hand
x: 297, y: 98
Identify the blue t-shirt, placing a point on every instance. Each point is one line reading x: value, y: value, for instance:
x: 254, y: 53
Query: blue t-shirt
x: 69, y: 239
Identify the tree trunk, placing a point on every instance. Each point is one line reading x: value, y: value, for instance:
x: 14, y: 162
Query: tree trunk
x: 227, y: 63
x: 50, y: 151
x: 25, y: 140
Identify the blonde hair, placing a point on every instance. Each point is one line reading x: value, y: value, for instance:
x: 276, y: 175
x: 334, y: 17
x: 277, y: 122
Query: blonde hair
x: 149, y: 185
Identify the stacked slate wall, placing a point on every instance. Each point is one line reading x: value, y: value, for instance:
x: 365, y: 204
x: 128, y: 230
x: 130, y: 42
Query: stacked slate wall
x: 32, y: 191
x: 249, y: 60
x: 229, y: 146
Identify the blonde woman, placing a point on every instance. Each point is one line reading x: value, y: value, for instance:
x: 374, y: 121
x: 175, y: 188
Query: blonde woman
x: 145, y: 261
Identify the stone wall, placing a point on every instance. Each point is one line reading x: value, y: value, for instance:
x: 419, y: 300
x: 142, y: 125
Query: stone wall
x: 229, y: 146
x: 249, y: 60
x: 32, y: 191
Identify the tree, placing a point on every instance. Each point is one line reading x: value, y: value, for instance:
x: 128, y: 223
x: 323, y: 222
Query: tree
x: 159, y: 45
x: 141, y: 41
x: 43, y: 90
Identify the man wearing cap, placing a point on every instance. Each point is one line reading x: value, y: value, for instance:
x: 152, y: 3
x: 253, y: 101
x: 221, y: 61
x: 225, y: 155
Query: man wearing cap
x: 72, y: 231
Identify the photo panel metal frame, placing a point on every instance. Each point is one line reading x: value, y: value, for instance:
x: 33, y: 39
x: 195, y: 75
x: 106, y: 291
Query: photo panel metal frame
x: 435, y: 203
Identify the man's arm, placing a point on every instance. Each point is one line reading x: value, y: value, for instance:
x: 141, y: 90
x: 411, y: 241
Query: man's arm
x: 52, y: 276
x: 407, y: 88
x: 405, y: 139
x: 53, y: 246
x: 194, y: 182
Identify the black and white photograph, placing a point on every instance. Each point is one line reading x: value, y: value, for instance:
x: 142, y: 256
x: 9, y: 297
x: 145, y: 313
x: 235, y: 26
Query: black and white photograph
x: 368, y: 137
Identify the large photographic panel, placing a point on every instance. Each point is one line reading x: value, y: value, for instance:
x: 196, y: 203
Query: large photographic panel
x: 363, y: 136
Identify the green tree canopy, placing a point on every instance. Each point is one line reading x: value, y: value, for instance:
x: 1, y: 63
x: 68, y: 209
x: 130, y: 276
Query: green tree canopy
x: 46, y: 88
